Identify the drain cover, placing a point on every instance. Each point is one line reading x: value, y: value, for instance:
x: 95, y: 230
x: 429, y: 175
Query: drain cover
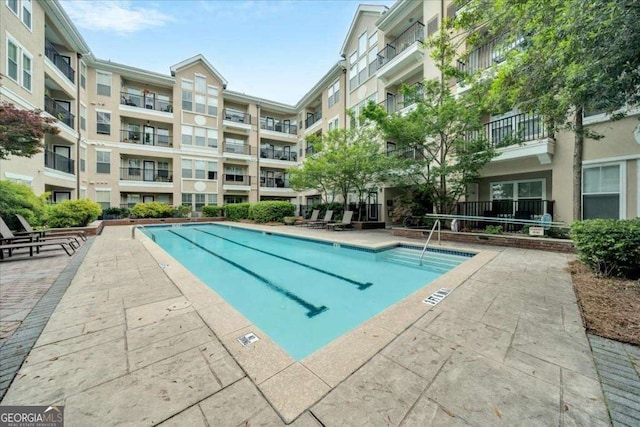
x: 247, y: 339
x: 179, y: 305
x: 437, y: 296
x: 164, y: 266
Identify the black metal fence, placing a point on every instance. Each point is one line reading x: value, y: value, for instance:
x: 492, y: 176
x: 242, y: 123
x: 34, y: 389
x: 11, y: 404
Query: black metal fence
x: 516, y: 209
x: 148, y: 101
x: 408, y: 37
x: 60, y: 163
x: 60, y: 61
x: 58, y: 111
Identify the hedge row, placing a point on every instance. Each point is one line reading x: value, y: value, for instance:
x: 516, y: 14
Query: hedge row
x: 608, y: 246
x: 158, y: 210
x: 72, y: 213
x: 261, y: 212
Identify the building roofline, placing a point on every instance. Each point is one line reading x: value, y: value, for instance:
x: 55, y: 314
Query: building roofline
x: 207, y: 64
x: 319, y: 86
x: 399, y: 7
x: 362, y: 8
x: 63, y: 23
x: 272, y: 105
x: 129, y: 71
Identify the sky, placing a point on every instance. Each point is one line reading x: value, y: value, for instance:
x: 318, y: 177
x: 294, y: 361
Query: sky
x: 267, y: 48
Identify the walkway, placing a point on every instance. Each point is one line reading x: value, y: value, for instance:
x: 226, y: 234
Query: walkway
x: 124, y: 346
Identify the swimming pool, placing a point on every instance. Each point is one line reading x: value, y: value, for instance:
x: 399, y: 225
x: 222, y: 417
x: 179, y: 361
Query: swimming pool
x: 302, y: 293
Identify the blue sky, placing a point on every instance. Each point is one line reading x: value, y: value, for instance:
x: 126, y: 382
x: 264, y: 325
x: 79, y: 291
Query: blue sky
x: 272, y: 49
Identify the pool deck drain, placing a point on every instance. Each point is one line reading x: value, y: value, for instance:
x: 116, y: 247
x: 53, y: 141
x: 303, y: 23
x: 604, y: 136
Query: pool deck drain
x: 506, y: 345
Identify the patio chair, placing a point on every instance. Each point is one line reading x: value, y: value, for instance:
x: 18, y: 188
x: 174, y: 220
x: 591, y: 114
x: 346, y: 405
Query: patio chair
x: 49, y: 232
x: 7, y: 237
x: 314, y: 218
x: 326, y: 220
x: 344, y: 224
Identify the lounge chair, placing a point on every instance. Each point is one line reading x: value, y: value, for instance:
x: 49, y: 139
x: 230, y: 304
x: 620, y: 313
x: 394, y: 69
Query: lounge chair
x: 314, y: 218
x: 7, y: 237
x: 346, y: 222
x: 50, y: 232
x: 326, y: 220
x: 66, y: 245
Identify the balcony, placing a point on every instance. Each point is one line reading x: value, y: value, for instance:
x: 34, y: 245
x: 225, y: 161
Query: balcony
x: 279, y: 126
x: 147, y: 101
x: 393, y: 105
x: 58, y: 111
x: 406, y: 153
x: 287, y: 154
x: 146, y: 137
x: 312, y: 119
x: 145, y: 174
x: 232, y: 148
x: 236, y: 182
x: 59, y: 61
x: 402, y: 53
x: 274, y: 183
x: 57, y: 162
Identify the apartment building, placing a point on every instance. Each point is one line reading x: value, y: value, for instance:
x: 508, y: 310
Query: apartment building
x: 130, y: 135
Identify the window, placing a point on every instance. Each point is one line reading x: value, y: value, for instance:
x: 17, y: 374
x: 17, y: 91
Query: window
x: 363, y: 71
x: 200, y: 134
x: 187, y: 199
x: 103, y: 198
x: 213, y: 199
x: 187, y: 95
x: 362, y: 44
x: 103, y: 161
x: 212, y: 100
x: 601, y: 192
x: 187, y: 168
x: 26, y: 13
x: 83, y: 75
x: 13, y: 5
x: 83, y: 193
x: 83, y: 117
x: 212, y: 170
x: 526, y: 196
x: 201, y: 84
x: 200, y: 201
x: 200, y: 166
x: 334, y: 93
x: 373, y: 59
x: 200, y: 103
x: 83, y: 159
x: 103, y: 82
x: 12, y: 60
x: 228, y: 200
x: 187, y: 135
x: 333, y: 124
x: 26, y: 71
x: 103, y: 122
x: 212, y: 138
x: 163, y: 170
x: 163, y: 137
x: 432, y: 26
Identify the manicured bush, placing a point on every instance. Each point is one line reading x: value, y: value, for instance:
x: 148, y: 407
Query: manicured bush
x: 213, y: 211
x: 268, y: 210
x: 73, y: 213
x: 237, y: 211
x: 20, y: 199
x: 152, y: 210
x: 609, y: 247
x: 181, y: 211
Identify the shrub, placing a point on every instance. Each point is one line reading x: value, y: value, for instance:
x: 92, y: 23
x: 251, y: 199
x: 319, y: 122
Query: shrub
x: 73, y: 213
x: 152, y: 210
x: 271, y: 211
x: 20, y: 199
x: 111, y: 213
x: 181, y: 211
x: 493, y: 229
x: 609, y: 247
x: 213, y: 210
x: 237, y: 211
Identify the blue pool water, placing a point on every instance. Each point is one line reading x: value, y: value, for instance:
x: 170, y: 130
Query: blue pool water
x: 302, y: 293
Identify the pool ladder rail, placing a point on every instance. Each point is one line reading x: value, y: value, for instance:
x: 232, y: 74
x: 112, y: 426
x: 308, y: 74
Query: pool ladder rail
x: 437, y: 223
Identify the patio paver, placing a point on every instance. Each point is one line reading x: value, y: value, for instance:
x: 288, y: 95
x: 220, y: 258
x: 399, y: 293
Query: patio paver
x: 504, y: 348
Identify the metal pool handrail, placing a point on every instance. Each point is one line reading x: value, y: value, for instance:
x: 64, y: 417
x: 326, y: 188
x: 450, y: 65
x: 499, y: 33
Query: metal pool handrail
x: 437, y: 223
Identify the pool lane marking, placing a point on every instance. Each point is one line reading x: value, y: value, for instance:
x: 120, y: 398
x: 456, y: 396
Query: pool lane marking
x: 361, y: 286
x: 312, y: 310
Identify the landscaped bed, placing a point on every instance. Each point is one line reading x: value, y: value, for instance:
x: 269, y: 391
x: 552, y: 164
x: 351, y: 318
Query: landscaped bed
x: 610, y: 306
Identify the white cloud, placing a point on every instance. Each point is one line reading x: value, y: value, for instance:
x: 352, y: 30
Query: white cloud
x: 121, y: 17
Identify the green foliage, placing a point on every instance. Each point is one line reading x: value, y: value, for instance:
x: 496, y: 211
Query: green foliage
x: 153, y: 210
x: 213, y: 211
x: 337, y: 208
x: 608, y: 246
x: 20, y: 199
x: 73, y: 213
x: 115, y: 212
x: 493, y: 229
x: 267, y: 211
x: 22, y: 131
x: 558, y: 233
x: 237, y: 211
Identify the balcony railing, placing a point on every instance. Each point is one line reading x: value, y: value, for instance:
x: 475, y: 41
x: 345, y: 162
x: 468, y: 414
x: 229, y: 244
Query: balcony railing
x: 528, y: 209
x: 310, y: 150
x: 487, y: 55
x: 413, y: 34
x: 237, y: 116
x: 235, y: 179
x: 514, y: 129
x: 282, y: 126
x: 289, y: 155
x: 406, y: 153
x: 274, y: 183
x: 312, y: 119
x: 58, y: 111
x: 60, y: 163
x: 59, y: 61
x: 145, y: 174
x: 236, y: 148
x: 148, y: 101
x: 146, y: 138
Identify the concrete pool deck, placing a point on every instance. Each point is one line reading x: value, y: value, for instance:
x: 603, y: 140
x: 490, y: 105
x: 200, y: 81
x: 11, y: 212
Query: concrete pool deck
x: 138, y: 340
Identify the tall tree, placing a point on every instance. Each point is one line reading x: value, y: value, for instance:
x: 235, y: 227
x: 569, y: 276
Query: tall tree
x: 22, y: 131
x: 562, y: 57
x: 442, y: 134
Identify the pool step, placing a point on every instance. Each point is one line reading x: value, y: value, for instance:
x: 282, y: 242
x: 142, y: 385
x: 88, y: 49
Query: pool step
x: 440, y: 263
x: 443, y: 256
